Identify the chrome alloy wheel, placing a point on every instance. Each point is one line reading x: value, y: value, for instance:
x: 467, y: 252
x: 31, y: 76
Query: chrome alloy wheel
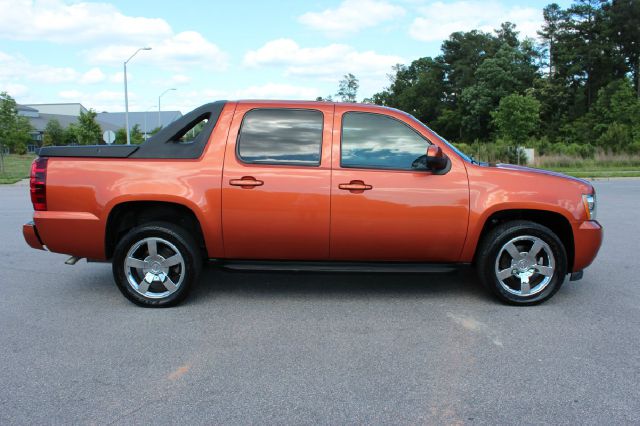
x: 154, y: 268
x: 525, y: 265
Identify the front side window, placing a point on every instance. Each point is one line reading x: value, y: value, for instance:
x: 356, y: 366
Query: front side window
x: 379, y: 141
x: 281, y: 136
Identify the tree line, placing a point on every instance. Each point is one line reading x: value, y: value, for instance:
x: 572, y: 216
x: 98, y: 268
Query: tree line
x: 575, y: 92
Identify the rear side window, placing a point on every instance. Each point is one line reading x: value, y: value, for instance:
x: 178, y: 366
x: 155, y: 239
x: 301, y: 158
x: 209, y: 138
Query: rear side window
x: 281, y: 136
x: 377, y: 141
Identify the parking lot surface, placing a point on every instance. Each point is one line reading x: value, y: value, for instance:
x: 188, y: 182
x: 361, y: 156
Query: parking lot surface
x: 317, y: 347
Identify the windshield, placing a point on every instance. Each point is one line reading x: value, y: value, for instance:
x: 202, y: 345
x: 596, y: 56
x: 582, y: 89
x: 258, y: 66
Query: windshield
x: 450, y: 145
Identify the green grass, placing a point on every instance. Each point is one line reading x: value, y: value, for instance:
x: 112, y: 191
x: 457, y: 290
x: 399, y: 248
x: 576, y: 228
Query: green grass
x: 603, y: 165
x: 16, y: 167
x: 602, y: 173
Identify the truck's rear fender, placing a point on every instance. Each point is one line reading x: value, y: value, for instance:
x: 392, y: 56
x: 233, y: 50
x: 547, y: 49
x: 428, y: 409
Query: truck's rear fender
x: 125, y: 215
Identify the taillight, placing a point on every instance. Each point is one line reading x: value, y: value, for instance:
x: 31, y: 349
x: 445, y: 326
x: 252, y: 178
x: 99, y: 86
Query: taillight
x: 38, y: 183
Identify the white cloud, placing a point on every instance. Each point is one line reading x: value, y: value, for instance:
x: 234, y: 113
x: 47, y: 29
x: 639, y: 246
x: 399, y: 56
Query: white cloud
x: 351, y: 16
x: 178, y: 52
x: 93, y: 76
x: 180, y: 79
x: 104, y: 100
x: 14, y: 89
x: 80, y: 22
x: 118, y: 77
x: 111, y: 35
x: 277, y: 91
x: 19, y: 68
x: 440, y: 19
x: 332, y: 61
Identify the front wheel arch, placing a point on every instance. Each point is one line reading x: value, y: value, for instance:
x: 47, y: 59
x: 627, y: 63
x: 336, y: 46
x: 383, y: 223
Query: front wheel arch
x: 556, y: 222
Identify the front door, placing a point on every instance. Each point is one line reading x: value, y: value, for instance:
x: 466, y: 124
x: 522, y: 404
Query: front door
x: 381, y: 208
x: 276, y: 183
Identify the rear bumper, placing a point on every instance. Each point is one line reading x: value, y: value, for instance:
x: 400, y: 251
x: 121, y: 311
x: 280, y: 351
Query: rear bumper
x: 587, y: 239
x: 78, y: 234
x: 31, y: 236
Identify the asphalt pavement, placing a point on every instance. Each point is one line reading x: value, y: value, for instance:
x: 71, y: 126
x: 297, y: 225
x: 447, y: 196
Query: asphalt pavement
x: 301, y: 348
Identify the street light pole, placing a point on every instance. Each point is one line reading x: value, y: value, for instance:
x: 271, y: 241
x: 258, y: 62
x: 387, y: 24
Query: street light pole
x: 159, y: 97
x: 126, y: 94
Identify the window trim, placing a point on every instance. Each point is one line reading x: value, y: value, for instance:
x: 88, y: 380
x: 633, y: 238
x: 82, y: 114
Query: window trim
x: 342, y: 166
x: 266, y: 163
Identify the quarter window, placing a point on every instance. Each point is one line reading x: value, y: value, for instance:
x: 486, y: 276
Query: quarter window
x: 281, y: 136
x: 379, y: 141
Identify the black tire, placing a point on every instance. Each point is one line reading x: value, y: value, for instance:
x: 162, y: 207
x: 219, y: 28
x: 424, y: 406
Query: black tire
x: 488, y: 262
x: 169, y: 240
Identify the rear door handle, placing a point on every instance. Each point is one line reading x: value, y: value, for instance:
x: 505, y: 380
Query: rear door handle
x: 247, y: 182
x: 356, y: 186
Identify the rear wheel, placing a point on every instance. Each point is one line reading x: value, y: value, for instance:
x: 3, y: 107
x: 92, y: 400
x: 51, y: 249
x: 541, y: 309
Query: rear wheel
x: 156, y: 264
x: 521, y: 262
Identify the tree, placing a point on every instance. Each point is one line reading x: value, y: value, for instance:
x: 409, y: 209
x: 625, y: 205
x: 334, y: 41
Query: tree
x: 137, y: 137
x: 348, y: 88
x: 53, y: 133
x: 121, y: 137
x: 517, y: 118
x: 418, y: 89
x: 588, y: 56
x: 624, y: 29
x: 88, y: 131
x: 14, y: 129
x: 553, y: 16
x: 614, y: 118
x: 71, y: 134
x: 511, y: 70
x: 21, y: 135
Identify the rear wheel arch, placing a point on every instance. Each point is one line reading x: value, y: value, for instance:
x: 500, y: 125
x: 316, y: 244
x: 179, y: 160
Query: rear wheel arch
x: 127, y: 215
x: 555, y: 221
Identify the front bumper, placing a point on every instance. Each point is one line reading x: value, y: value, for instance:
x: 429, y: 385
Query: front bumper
x: 587, y: 239
x: 31, y: 236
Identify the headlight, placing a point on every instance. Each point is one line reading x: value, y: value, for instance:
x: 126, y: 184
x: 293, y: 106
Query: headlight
x: 589, y: 201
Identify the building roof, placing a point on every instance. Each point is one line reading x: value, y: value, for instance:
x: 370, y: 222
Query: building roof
x: 25, y: 108
x: 39, y: 123
x: 70, y: 108
x: 146, y: 120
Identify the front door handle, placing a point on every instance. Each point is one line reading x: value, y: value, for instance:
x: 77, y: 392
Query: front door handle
x: 246, y: 182
x: 356, y: 186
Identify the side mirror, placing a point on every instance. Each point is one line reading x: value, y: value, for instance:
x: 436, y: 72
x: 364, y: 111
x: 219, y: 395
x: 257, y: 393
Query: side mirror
x: 436, y: 160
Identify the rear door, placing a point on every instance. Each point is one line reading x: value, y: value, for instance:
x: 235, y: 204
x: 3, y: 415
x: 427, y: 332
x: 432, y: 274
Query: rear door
x: 276, y: 182
x: 381, y: 208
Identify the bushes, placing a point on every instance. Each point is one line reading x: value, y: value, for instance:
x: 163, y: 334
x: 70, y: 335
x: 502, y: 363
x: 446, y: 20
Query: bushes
x: 20, y: 148
x: 504, y: 152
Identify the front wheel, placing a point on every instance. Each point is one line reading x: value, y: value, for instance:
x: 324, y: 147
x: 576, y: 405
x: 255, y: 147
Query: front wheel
x: 156, y: 264
x: 522, y: 262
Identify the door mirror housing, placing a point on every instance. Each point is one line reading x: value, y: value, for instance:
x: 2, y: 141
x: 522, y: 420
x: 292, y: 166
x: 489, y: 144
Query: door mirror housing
x: 435, y: 158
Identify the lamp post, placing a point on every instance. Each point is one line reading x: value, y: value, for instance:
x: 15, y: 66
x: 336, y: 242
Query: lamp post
x: 126, y: 94
x: 159, y: 97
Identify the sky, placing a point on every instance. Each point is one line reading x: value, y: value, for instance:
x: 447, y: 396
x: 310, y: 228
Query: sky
x: 69, y: 51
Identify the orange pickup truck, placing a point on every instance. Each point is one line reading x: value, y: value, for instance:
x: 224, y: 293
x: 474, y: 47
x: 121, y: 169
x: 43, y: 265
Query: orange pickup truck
x: 285, y: 185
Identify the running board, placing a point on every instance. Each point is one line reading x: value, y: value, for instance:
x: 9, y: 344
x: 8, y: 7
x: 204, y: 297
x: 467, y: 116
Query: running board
x: 250, y: 265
